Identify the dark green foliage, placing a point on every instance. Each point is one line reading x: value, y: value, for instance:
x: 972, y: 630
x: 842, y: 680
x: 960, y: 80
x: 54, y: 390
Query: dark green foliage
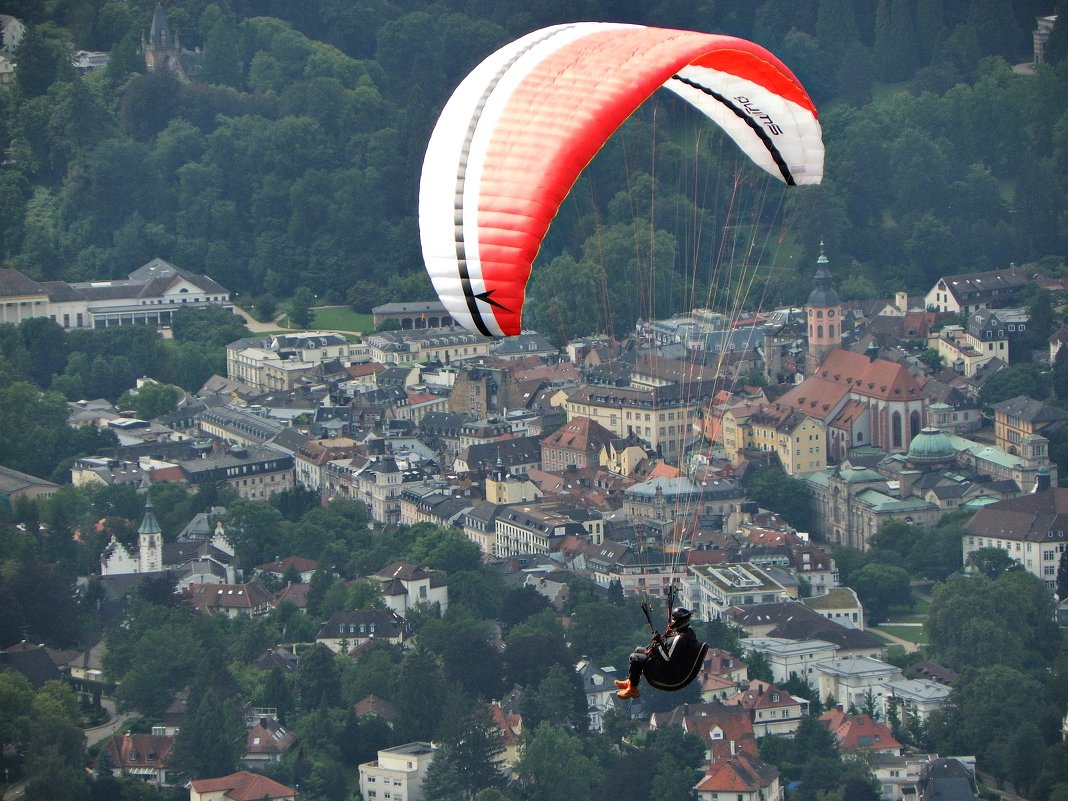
x: 467, y: 762
x: 773, y: 489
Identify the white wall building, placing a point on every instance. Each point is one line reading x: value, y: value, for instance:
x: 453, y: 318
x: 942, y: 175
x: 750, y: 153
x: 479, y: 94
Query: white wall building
x: 789, y: 658
x: 849, y: 679
x: 397, y: 774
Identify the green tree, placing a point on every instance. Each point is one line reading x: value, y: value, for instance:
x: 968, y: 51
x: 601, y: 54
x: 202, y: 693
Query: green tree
x: 992, y: 562
x: 151, y: 400
x: 772, y: 489
x: 468, y: 762
x: 551, y: 765
x: 300, y: 308
x: 557, y: 699
x: 1020, y: 379
x: 880, y: 587
x: 41, y: 62
x: 318, y: 680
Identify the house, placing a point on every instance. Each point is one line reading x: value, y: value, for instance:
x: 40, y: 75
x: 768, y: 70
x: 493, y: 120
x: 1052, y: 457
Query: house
x: 742, y: 777
x: 915, y: 697
x: 852, y: 680
x: 267, y: 742
x: 725, y: 729
x: 373, y: 705
x: 281, y: 361
x: 798, y: 440
x: 576, y: 445
x: 240, y: 786
x: 233, y: 600
x: 969, y: 292
x: 398, y: 773
x: 947, y: 780
x: 1020, y: 421
x: 414, y: 315
x: 840, y: 605
x: 164, y: 52
x: 405, y: 586
x: 142, y: 755
x: 600, y: 690
x: 1030, y: 529
x: 277, y: 657
x: 773, y: 711
x: 790, y: 659
x: 299, y: 565
x: 32, y: 661
x: 347, y: 630
x: 859, y: 734
x: 11, y: 33
x: 721, y: 674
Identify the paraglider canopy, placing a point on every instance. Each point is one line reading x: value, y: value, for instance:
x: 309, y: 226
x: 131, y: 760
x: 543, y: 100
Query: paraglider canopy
x: 521, y: 127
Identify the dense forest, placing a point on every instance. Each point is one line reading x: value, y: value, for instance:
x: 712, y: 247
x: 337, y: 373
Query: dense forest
x: 293, y: 159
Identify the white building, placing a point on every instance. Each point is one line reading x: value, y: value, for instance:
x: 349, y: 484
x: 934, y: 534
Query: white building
x: 397, y: 774
x: 914, y: 697
x: 790, y: 658
x: 851, y: 678
x: 150, y: 296
x: 715, y: 588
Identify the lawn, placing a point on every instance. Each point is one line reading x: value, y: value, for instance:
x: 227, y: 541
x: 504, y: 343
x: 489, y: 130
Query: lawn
x: 337, y: 318
x: 916, y: 634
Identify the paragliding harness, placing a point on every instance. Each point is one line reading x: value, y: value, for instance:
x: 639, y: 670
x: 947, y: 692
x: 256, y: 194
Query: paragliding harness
x: 684, y: 665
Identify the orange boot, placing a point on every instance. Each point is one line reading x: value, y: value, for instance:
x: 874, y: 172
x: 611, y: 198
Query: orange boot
x: 630, y: 691
x: 622, y: 684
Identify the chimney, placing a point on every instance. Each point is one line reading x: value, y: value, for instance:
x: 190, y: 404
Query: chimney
x: 872, y: 352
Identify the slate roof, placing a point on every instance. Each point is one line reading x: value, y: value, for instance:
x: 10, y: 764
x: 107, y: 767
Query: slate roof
x: 32, y: 661
x: 1035, y: 517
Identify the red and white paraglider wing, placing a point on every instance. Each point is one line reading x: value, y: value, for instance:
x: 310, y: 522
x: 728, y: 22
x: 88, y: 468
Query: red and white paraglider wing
x: 516, y: 133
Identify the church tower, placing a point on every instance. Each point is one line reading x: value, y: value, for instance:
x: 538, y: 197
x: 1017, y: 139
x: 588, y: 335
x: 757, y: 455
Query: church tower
x: 149, y: 541
x: 824, y: 313
x: 161, y: 47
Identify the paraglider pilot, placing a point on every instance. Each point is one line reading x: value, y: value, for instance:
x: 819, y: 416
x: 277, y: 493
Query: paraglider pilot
x: 671, y: 662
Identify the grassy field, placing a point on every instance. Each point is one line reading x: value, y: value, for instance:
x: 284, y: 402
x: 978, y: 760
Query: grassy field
x: 337, y: 318
x: 916, y: 634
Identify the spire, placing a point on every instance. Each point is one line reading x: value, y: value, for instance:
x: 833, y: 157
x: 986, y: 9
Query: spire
x: 160, y: 34
x: 148, y: 522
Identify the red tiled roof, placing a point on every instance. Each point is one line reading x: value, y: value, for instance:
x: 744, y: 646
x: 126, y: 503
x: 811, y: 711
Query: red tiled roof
x: 244, y: 786
x: 129, y: 751
x: 742, y: 773
x: 859, y: 732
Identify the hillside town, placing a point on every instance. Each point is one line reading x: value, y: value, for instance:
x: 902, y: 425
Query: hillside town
x: 627, y: 463
x: 407, y: 562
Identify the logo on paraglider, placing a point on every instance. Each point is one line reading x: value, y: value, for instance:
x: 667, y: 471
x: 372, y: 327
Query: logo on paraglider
x: 758, y: 115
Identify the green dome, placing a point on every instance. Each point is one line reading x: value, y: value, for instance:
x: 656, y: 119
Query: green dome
x: 931, y: 445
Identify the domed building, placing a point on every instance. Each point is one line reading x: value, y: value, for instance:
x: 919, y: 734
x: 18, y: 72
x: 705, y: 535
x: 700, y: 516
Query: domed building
x: 930, y: 449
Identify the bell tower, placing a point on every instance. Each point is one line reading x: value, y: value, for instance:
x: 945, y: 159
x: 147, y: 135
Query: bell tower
x: 824, y: 317
x: 149, y: 541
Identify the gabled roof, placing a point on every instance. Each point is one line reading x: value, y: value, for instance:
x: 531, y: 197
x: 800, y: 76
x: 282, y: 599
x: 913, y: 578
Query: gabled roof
x: 742, y: 773
x: 269, y: 737
x: 859, y: 732
x: 580, y: 434
x: 243, y: 786
x: 130, y: 751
